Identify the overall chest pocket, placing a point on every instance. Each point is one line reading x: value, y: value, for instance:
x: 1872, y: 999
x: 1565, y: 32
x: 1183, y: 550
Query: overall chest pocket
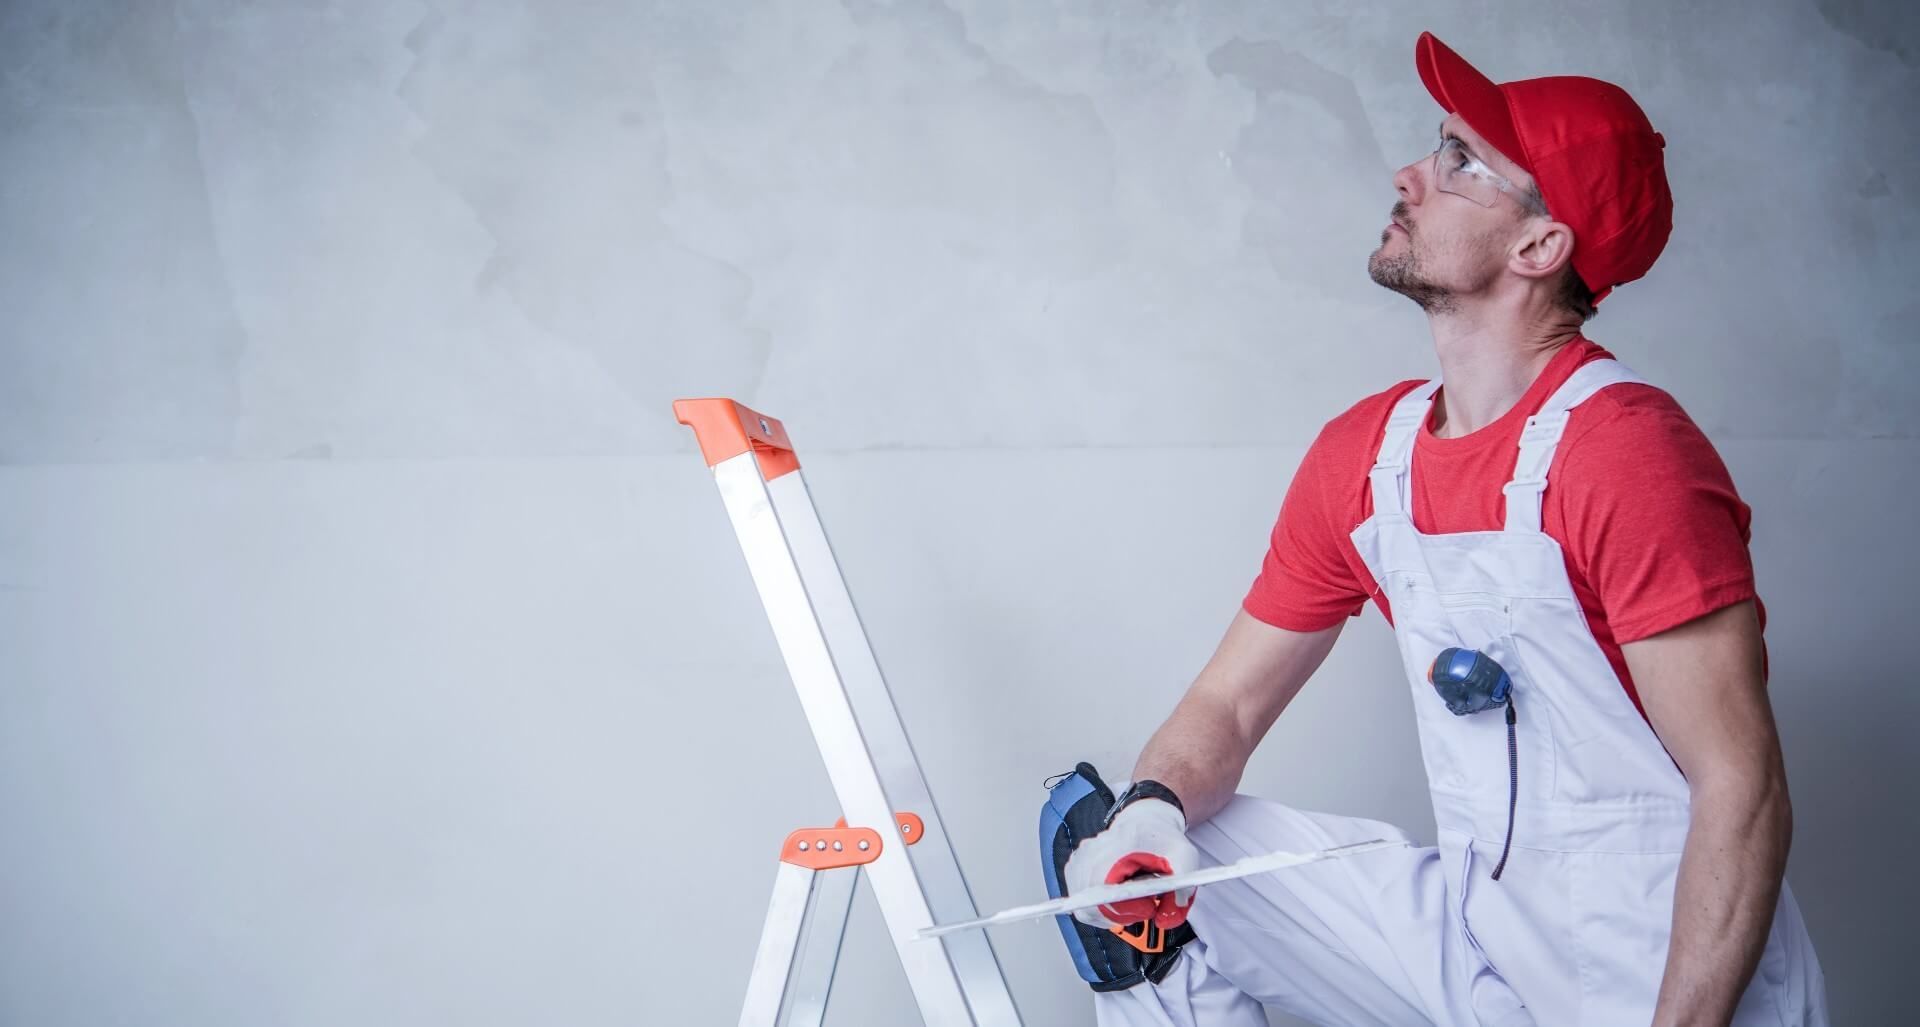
x: 1469, y: 754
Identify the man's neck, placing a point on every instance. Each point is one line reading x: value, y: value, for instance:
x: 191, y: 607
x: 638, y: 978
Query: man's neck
x: 1487, y: 365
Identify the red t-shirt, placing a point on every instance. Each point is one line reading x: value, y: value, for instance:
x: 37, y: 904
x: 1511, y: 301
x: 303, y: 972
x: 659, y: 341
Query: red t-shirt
x: 1653, y: 531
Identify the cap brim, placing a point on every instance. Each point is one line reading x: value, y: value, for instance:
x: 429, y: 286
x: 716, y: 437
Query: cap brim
x: 1461, y: 89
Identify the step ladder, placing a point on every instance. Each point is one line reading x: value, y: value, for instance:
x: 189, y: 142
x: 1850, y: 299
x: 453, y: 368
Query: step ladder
x: 890, y: 827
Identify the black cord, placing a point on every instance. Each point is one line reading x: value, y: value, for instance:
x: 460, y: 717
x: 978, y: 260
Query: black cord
x: 1513, y: 788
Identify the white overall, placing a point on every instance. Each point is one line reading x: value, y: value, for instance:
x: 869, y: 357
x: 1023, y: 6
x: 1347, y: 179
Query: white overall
x: 1575, y: 930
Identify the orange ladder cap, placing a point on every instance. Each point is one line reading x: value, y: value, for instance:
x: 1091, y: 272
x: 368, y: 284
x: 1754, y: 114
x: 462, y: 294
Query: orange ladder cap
x: 727, y: 429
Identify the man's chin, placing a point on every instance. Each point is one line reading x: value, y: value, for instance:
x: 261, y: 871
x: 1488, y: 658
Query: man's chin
x: 1385, y: 270
x: 1398, y: 274
x: 1383, y: 253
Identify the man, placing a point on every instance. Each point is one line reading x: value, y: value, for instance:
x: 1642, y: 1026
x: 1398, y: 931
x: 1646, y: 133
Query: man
x: 1613, y: 822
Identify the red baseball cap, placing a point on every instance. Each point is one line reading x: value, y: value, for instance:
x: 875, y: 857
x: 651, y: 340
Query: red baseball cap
x: 1589, y: 147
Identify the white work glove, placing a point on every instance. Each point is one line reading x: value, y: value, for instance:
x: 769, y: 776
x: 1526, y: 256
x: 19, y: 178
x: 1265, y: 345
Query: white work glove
x: 1144, y: 837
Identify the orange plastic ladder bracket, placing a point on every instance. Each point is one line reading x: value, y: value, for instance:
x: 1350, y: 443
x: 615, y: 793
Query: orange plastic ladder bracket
x: 727, y: 429
x: 827, y: 848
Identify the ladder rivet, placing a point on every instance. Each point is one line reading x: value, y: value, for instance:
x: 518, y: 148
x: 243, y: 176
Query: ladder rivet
x: 836, y: 846
x: 863, y: 845
x: 803, y: 846
x: 821, y: 844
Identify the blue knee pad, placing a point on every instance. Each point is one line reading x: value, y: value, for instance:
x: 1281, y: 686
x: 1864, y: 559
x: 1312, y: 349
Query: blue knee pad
x: 1108, y: 960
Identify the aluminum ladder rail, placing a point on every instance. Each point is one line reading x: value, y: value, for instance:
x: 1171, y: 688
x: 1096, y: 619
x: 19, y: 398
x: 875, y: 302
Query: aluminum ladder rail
x: 956, y: 980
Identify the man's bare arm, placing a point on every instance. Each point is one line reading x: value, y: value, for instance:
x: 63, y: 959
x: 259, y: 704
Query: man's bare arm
x: 1202, y: 749
x: 1704, y: 695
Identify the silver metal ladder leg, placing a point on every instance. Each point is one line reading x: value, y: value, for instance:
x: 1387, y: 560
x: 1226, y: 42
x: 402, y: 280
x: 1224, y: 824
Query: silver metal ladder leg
x: 806, y: 921
x: 801, y: 898
x: 955, y: 979
x: 799, y: 946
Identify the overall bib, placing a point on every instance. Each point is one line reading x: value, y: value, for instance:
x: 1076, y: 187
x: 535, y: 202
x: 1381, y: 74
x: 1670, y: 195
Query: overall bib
x: 1575, y: 930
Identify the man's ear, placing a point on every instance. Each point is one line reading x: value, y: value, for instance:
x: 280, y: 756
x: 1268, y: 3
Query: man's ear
x: 1543, y: 250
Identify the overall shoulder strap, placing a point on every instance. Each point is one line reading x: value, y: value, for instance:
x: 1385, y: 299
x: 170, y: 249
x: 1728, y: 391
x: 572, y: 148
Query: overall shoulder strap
x: 1392, y: 470
x: 1541, y: 437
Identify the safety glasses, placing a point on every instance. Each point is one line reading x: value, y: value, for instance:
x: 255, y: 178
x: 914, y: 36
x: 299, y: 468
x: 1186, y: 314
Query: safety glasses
x: 1459, y: 172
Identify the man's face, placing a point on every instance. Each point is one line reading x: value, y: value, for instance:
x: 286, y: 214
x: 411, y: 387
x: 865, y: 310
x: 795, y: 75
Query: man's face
x: 1440, y: 245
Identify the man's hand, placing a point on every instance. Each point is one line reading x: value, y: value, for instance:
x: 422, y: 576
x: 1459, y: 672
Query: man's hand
x: 1144, y: 836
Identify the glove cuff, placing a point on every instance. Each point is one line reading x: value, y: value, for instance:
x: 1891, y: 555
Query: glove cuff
x: 1148, y: 789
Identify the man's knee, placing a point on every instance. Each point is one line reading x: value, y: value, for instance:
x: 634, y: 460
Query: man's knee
x: 1108, y: 960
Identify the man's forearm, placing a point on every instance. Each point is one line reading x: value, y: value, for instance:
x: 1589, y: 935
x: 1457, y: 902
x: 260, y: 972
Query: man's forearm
x: 1202, y: 749
x: 1200, y: 753
x: 1723, y: 901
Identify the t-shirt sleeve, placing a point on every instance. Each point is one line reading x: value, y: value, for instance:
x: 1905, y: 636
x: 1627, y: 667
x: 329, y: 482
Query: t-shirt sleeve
x: 1653, y: 521
x: 1305, y: 582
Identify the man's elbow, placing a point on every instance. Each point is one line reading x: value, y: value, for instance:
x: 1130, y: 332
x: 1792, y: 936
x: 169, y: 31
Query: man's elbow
x: 1756, y: 798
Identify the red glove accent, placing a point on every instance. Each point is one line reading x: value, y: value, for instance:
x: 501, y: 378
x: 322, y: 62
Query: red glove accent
x: 1165, y: 913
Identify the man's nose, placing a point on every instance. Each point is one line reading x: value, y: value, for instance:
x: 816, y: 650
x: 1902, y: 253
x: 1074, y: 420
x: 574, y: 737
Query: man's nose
x: 1409, y: 182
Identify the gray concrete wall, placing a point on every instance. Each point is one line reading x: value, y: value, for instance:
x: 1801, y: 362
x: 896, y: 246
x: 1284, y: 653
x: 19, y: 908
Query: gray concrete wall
x: 373, y: 647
